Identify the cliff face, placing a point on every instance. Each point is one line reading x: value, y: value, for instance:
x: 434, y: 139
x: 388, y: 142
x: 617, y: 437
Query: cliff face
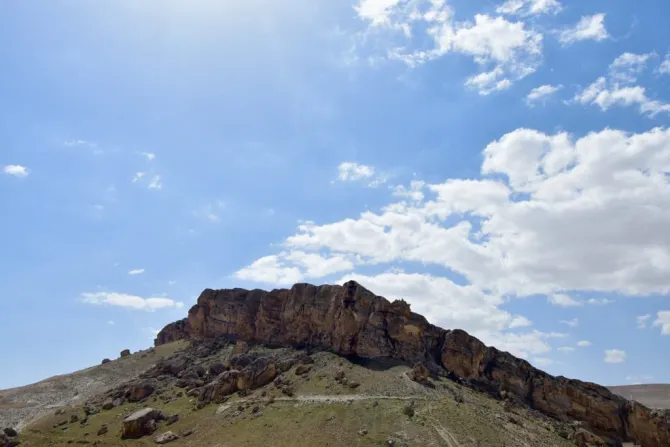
x: 351, y: 320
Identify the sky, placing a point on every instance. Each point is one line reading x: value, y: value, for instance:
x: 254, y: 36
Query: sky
x: 503, y: 166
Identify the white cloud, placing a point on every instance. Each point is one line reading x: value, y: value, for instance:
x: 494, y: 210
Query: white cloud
x: 563, y: 300
x: 354, y: 172
x: 614, y: 356
x: 628, y: 66
x: 526, y: 8
x: 111, y: 323
x: 136, y: 272
x: 16, y: 170
x: 588, y: 28
x: 584, y: 343
x: 663, y: 320
x: 149, y: 155
x: 541, y: 94
x: 153, y: 332
x: 642, y: 320
x: 572, y: 323
x: 414, y: 193
x: 566, y: 349
x: 605, y: 95
x: 291, y: 267
x: 130, y: 301
x: 138, y: 177
x: 505, y: 51
x: 156, y: 182
x: 664, y: 68
x: 554, y: 215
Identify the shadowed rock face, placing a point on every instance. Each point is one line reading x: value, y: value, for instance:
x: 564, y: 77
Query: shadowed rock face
x: 350, y: 320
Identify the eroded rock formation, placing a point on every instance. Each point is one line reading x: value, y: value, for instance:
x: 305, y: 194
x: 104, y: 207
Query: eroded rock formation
x: 352, y: 321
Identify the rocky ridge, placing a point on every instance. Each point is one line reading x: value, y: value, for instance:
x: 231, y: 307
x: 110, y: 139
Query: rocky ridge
x: 351, y: 321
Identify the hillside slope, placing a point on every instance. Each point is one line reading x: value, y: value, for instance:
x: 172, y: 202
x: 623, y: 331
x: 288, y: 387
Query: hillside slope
x: 20, y: 405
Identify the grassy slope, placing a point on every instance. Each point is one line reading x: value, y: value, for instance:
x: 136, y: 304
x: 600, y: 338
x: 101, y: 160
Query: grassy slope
x: 18, y: 405
x: 308, y: 420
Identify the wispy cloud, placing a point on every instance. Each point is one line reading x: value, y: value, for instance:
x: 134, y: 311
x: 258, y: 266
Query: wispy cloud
x: 136, y: 272
x: 149, y: 155
x: 541, y: 94
x: 584, y: 343
x: 572, y: 323
x: 156, y: 182
x: 588, y: 28
x: 527, y: 8
x: 130, y: 301
x: 642, y: 320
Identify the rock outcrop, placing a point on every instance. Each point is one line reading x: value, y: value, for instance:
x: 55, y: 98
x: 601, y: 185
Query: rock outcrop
x: 141, y: 423
x: 351, y: 321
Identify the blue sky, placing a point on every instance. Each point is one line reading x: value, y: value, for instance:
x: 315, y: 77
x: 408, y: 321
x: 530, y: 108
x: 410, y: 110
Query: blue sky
x: 503, y: 166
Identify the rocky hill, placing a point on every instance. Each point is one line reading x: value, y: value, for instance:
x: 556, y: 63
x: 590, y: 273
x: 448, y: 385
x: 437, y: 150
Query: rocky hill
x: 326, y: 365
x: 351, y: 321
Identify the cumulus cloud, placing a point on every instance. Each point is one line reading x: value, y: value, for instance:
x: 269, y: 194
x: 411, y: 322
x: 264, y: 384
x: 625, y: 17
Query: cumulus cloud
x: 614, y: 356
x: 291, y: 267
x: 663, y: 320
x: 130, y: 301
x: 627, y: 67
x: 16, y: 170
x: 527, y: 8
x: 541, y: 94
x: 588, y: 28
x: 606, y: 94
x: 584, y: 343
x: 135, y: 272
x: 553, y: 215
x: 505, y: 50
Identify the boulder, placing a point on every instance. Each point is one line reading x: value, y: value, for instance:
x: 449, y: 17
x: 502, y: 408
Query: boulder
x: 584, y: 438
x: 9, y: 431
x: 419, y: 373
x: 141, y: 423
x: 140, y: 391
x: 302, y: 370
x: 172, y: 419
x: 105, y: 361
x: 216, y: 368
x: 166, y: 437
x: 125, y: 353
x: 218, y: 390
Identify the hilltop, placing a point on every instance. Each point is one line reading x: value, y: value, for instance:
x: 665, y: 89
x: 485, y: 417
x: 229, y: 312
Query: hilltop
x: 327, y: 365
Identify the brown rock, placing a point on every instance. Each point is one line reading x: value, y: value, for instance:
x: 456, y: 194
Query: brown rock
x: 125, y: 353
x: 584, y: 438
x: 139, y: 391
x: 103, y: 430
x: 350, y: 320
x: 140, y: 423
x: 172, y: 419
x: 241, y: 347
x: 9, y: 431
x: 166, y: 437
x: 302, y: 369
x: 419, y: 373
x: 105, y: 361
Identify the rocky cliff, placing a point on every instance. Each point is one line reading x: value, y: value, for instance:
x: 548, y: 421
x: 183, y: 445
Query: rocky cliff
x: 352, y: 321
